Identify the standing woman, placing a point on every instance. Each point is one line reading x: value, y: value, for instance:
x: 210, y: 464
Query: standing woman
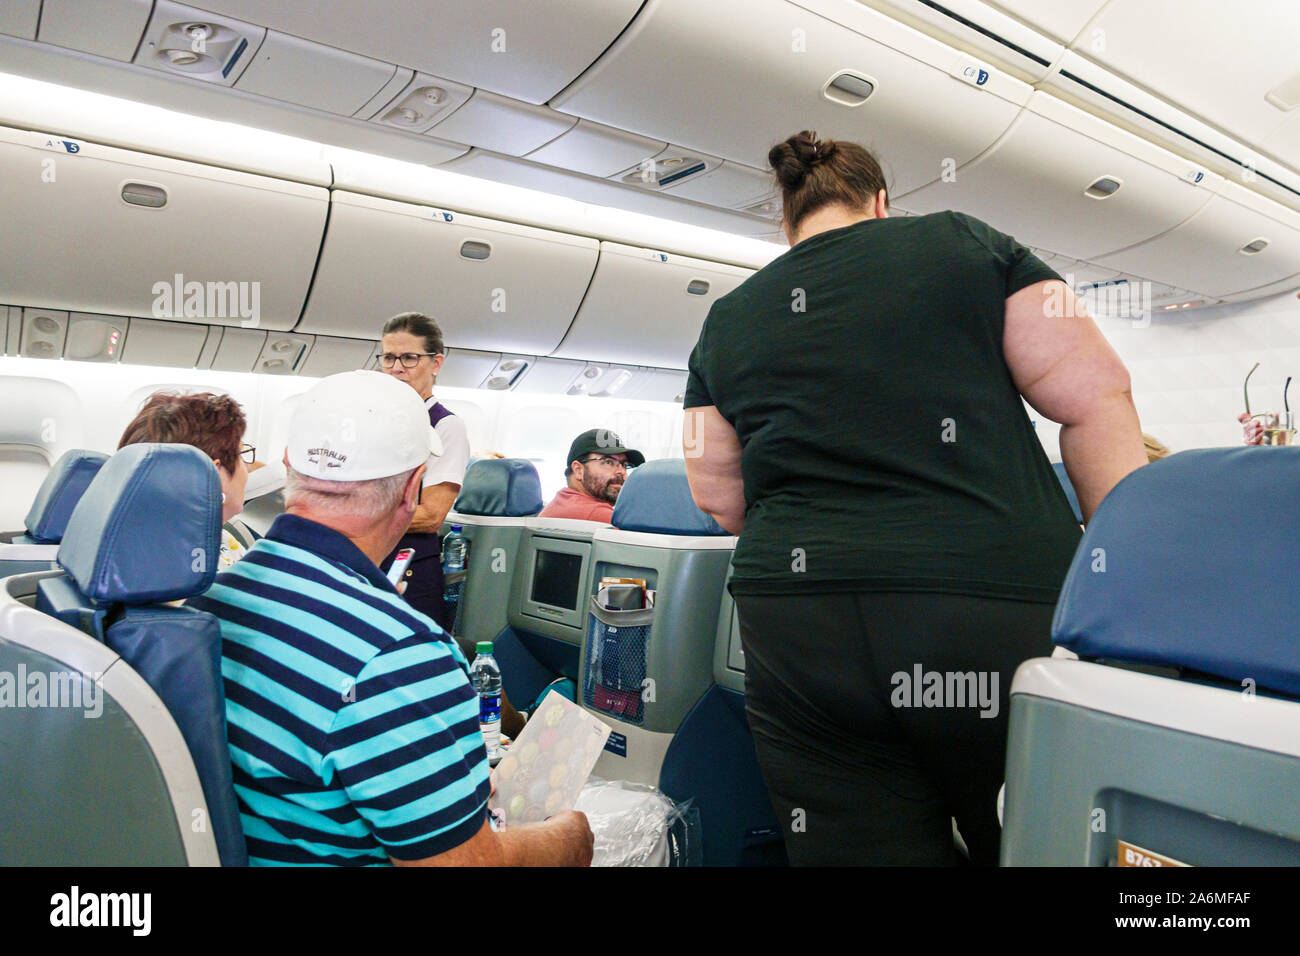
x: 412, y: 350
x: 854, y: 413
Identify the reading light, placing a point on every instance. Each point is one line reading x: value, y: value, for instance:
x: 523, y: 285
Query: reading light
x: 1254, y: 246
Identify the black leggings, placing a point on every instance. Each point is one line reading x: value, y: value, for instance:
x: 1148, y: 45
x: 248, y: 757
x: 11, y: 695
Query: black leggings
x: 855, y: 777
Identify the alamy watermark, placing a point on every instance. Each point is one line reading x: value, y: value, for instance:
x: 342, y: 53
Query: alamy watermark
x: 922, y: 688
x: 40, y: 689
x: 179, y: 299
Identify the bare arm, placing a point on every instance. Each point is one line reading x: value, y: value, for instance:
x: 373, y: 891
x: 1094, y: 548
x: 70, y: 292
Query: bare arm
x: 1068, y: 372
x: 435, y: 502
x: 712, y: 450
x: 563, y: 840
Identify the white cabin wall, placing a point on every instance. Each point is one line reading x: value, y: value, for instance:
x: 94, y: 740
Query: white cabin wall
x: 1187, y: 367
x: 108, y: 397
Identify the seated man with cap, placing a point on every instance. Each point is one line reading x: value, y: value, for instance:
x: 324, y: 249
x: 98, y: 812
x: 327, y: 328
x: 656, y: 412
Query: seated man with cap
x: 352, y: 724
x: 597, y: 467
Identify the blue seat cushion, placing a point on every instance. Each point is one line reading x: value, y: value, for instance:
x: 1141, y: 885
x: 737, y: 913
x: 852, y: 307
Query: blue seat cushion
x: 148, y: 529
x: 177, y: 651
x: 500, y: 487
x: 59, y: 597
x: 656, y: 498
x: 1190, y: 562
x: 60, y: 492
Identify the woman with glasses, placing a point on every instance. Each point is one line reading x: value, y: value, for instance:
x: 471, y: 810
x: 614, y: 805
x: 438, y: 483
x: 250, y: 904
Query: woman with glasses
x: 411, y: 350
x: 214, y: 424
x: 855, y: 412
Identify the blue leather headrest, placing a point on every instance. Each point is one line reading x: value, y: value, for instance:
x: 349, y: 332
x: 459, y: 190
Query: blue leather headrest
x: 657, y: 498
x: 59, y: 493
x: 502, y: 487
x: 148, y: 529
x: 1068, y: 486
x: 1190, y: 561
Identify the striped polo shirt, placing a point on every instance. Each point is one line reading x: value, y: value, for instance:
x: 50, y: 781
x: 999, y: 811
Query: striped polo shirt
x: 352, y: 724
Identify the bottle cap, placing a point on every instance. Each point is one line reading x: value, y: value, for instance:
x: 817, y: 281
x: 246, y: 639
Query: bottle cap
x: 483, y: 647
x: 455, y: 527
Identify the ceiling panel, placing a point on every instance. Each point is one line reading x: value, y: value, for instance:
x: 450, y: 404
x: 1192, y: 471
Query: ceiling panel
x: 1060, y: 19
x: 519, y: 48
x: 1216, y: 60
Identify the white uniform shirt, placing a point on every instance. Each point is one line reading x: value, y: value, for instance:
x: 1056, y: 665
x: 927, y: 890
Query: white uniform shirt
x: 451, y: 464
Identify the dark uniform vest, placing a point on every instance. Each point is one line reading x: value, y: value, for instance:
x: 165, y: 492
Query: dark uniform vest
x: 424, y: 574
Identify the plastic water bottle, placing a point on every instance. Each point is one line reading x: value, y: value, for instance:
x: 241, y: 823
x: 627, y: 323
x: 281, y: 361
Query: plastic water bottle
x: 485, y: 675
x: 453, y: 551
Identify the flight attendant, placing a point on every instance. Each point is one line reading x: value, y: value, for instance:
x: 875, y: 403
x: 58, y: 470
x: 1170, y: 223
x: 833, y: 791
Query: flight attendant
x: 412, y: 351
x: 854, y: 412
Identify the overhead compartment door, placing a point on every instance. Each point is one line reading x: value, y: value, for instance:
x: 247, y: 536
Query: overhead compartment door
x: 92, y: 228
x: 732, y: 77
x: 491, y: 285
x: 1239, y: 241
x: 646, y: 307
x: 1035, y: 184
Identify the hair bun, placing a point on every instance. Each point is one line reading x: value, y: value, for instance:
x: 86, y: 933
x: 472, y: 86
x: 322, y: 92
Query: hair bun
x: 793, y: 158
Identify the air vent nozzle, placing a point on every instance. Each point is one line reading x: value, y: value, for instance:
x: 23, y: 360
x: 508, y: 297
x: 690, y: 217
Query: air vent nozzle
x: 1254, y: 246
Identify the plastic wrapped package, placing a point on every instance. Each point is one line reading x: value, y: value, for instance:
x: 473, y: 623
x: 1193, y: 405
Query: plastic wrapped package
x: 636, y: 825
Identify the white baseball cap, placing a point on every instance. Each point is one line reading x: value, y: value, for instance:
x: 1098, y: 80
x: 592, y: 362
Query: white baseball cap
x: 356, y: 426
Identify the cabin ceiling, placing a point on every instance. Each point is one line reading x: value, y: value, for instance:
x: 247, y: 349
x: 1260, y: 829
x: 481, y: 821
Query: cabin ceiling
x: 611, y: 101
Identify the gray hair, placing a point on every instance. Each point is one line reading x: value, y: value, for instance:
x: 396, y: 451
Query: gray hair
x: 373, y: 499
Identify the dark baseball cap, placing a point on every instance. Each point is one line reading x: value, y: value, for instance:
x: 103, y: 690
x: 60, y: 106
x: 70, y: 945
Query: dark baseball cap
x: 604, y: 442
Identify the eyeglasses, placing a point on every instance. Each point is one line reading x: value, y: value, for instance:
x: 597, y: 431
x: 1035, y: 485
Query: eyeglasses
x: 408, y: 359
x: 248, y: 453
x: 607, y: 462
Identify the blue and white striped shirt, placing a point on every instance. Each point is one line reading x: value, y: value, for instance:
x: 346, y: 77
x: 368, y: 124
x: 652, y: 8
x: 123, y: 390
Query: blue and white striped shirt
x: 352, y: 724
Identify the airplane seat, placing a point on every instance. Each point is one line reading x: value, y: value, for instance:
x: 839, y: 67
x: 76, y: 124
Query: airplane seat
x: 648, y: 672
x: 1185, y: 566
x: 1068, y: 487
x: 47, y: 518
x: 147, y: 531
x: 495, y: 498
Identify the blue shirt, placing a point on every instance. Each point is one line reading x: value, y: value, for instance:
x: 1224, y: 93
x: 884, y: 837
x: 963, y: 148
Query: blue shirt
x: 352, y: 724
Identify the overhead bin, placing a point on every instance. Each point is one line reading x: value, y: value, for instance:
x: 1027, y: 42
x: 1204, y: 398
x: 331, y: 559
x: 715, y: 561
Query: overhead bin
x: 19, y: 18
x: 520, y: 48
x: 684, y: 71
x: 645, y: 307
x: 92, y: 228
x: 1237, y: 242
x: 492, y: 285
x: 1068, y: 181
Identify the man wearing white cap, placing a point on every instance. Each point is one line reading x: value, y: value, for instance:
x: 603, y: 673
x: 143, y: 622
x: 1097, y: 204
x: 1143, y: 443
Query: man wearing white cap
x: 352, y: 724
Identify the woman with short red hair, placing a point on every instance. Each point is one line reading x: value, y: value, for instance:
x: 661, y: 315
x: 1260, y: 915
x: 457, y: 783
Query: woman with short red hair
x: 214, y: 424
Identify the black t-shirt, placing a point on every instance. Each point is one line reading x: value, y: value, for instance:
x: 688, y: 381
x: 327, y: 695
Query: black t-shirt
x: 885, y: 446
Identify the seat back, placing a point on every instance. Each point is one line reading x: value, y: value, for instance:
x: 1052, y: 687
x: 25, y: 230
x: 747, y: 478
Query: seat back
x: 497, y: 495
x: 1106, y: 764
x: 64, y: 484
x: 649, y: 672
x: 146, y: 532
x: 95, y: 770
x: 1170, y: 567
